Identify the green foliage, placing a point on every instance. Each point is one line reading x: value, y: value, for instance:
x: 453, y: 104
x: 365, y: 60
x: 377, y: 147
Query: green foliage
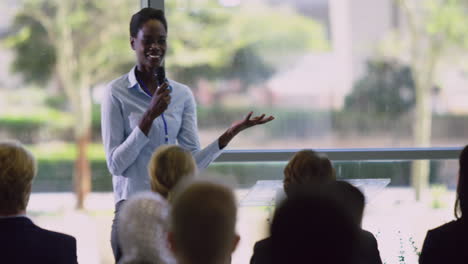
x: 447, y: 21
x: 65, y: 152
x: 56, y: 176
x: 213, y: 42
x: 37, y: 55
x: 55, y: 171
x: 90, y: 33
x: 438, y: 191
x: 248, y: 67
x: 30, y: 127
x: 386, y: 88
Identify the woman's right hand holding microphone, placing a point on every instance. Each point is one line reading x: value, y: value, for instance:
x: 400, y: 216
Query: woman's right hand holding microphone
x: 159, y: 103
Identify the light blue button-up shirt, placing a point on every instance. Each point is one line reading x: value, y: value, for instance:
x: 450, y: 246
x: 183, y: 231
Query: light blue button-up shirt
x: 128, y: 149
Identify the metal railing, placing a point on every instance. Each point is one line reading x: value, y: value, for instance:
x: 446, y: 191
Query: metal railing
x: 344, y: 154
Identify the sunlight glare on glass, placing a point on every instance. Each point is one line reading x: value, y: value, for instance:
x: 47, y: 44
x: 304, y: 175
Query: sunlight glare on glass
x: 229, y: 3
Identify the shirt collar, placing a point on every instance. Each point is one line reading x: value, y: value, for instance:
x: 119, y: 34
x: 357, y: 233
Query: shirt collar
x: 132, y: 80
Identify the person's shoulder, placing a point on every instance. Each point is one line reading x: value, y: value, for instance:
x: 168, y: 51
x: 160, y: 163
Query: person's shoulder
x: 448, y: 229
x: 180, y: 88
x: 118, y: 85
x: 262, y: 252
x: 367, y: 235
x: 369, y: 250
x: 263, y: 244
x: 53, y: 235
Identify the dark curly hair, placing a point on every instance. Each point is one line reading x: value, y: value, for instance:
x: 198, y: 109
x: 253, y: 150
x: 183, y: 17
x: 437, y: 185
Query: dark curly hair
x: 144, y: 15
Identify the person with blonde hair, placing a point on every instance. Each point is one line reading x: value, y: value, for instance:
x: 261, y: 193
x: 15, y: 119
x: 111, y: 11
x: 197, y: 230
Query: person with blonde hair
x: 202, y: 224
x: 21, y: 240
x: 168, y: 165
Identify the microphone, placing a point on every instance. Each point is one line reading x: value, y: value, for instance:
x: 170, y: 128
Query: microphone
x: 161, y: 77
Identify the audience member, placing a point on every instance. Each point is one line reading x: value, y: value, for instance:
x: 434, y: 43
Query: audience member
x: 203, y: 220
x: 313, y: 228
x: 169, y: 165
x: 143, y: 230
x: 21, y: 240
x: 448, y: 243
x: 354, y: 201
x: 306, y: 169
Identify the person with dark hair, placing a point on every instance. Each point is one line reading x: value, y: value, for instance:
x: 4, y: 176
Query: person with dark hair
x: 143, y: 110
x: 313, y: 228
x: 21, y: 241
x: 354, y: 201
x: 306, y: 169
x: 449, y: 243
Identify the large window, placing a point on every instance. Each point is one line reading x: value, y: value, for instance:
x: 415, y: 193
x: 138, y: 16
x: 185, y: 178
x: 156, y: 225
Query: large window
x: 336, y: 74
x: 55, y: 55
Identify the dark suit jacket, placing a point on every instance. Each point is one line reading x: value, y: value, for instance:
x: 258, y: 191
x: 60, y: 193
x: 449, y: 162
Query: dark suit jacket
x: 446, y: 244
x: 262, y: 254
x: 21, y: 241
x: 368, y: 250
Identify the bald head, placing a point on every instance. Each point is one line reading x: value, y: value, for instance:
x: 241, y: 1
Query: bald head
x: 203, y: 220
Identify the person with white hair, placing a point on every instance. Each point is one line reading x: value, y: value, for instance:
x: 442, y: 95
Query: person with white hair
x: 143, y: 230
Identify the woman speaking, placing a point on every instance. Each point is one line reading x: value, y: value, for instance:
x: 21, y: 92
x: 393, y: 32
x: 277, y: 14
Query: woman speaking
x: 143, y: 110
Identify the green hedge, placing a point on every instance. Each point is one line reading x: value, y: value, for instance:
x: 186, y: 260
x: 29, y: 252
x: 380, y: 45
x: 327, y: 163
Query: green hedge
x: 56, y: 176
x: 297, y: 123
x: 34, y: 126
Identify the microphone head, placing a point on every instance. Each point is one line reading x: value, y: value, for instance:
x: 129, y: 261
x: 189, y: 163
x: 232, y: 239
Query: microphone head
x: 161, y: 75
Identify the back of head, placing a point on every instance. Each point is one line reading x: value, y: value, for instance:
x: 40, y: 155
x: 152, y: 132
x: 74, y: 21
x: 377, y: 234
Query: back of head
x: 168, y: 166
x: 461, y: 204
x: 348, y: 195
x: 313, y: 228
x: 17, y: 170
x: 143, y: 229
x: 307, y: 167
x: 203, y: 220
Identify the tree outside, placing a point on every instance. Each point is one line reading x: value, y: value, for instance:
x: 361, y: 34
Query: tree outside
x: 434, y: 32
x: 71, y: 46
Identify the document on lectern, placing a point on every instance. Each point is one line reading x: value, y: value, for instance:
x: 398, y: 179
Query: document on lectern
x: 270, y: 192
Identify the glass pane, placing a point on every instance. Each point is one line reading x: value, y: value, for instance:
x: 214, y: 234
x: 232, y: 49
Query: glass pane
x: 55, y: 58
x: 335, y: 73
x: 393, y: 214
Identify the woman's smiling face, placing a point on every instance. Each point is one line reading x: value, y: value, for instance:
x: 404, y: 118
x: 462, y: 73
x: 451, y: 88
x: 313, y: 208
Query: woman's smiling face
x: 150, y: 45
